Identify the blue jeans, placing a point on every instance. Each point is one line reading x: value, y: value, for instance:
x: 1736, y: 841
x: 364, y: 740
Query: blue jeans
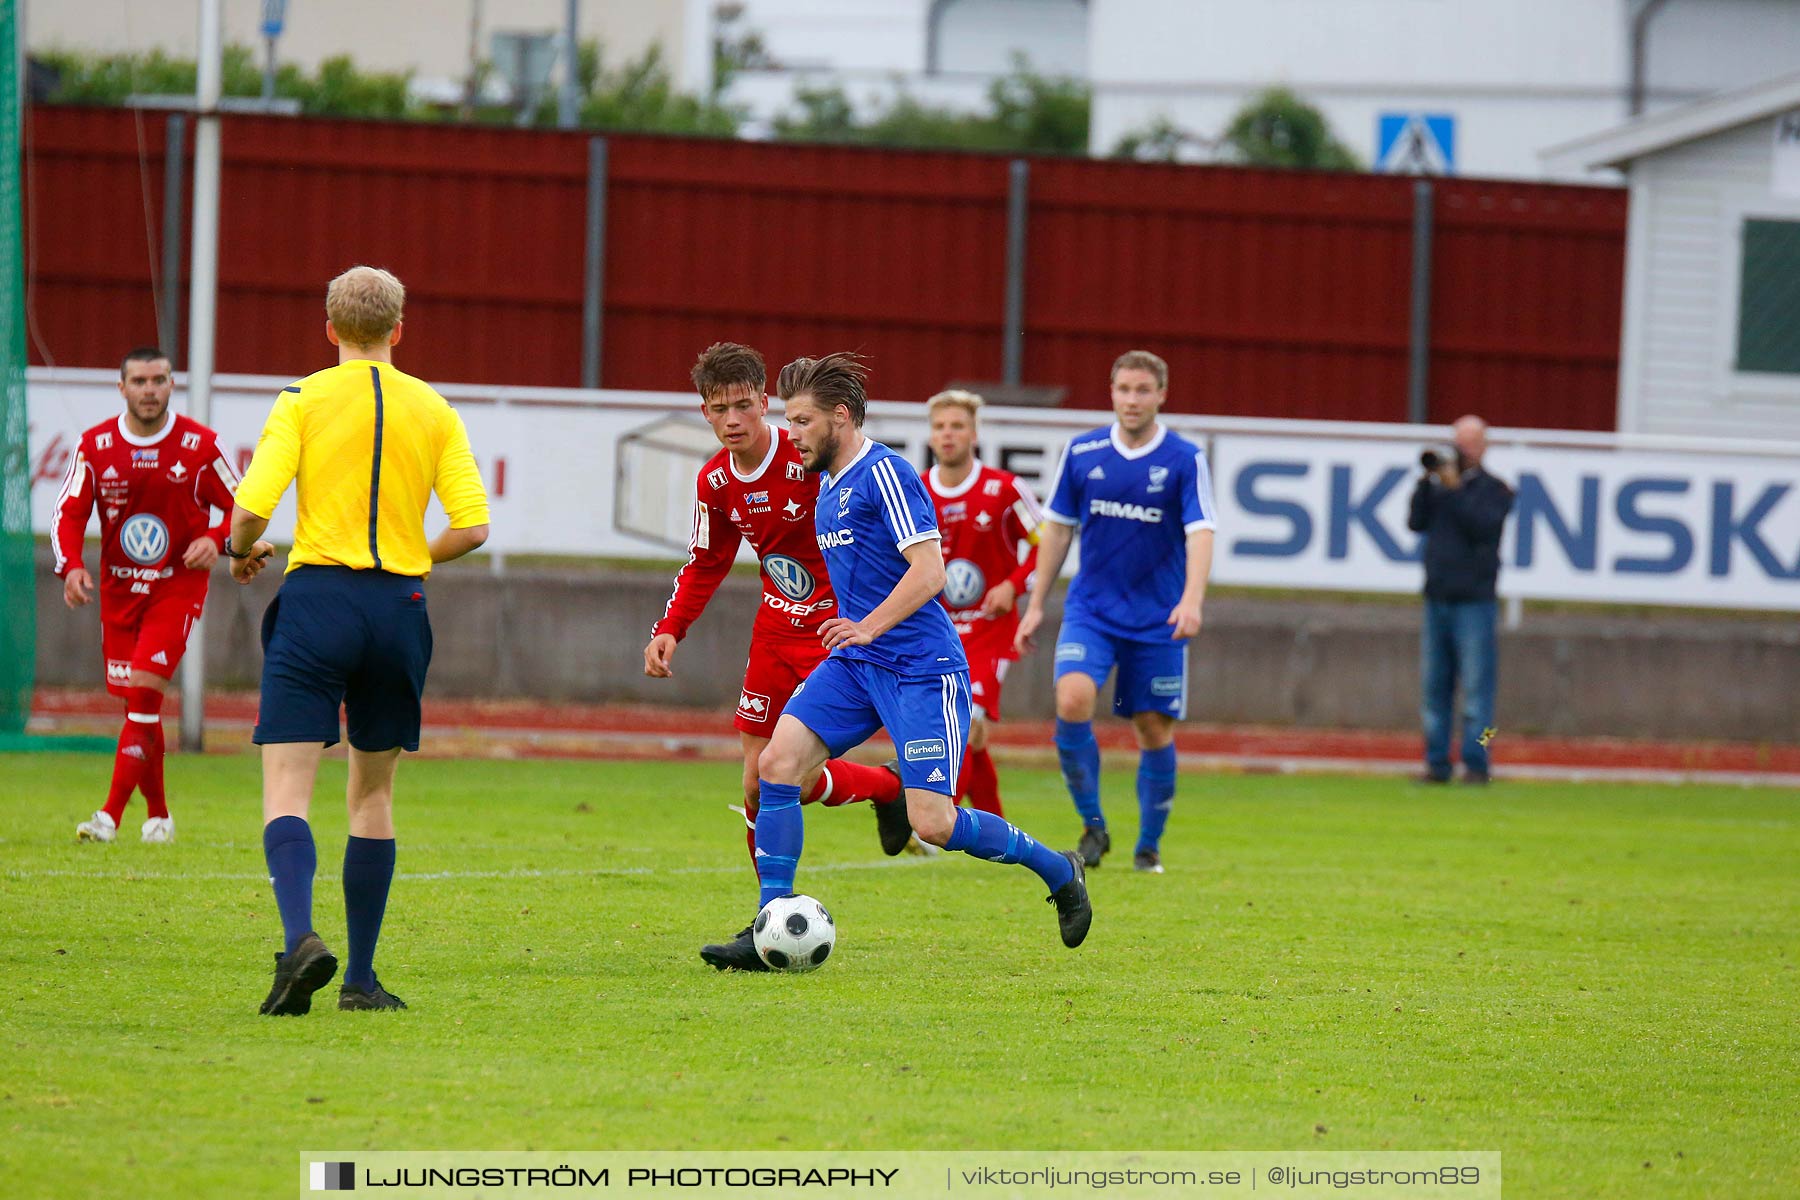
x: 1457, y: 645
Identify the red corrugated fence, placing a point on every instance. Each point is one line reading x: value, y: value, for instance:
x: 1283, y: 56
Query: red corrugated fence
x: 1271, y: 293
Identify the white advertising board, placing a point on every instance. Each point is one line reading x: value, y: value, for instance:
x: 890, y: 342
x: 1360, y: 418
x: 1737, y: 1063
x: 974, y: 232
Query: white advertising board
x: 1710, y: 530
x: 612, y: 474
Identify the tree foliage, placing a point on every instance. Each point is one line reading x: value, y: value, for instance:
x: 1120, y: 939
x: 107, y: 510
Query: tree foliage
x: 1162, y: 140
x: 1279, y: 129
x: 639, y: 95
x: 337, y: 88
x: 1026, y: 112
x: 1275, y: 129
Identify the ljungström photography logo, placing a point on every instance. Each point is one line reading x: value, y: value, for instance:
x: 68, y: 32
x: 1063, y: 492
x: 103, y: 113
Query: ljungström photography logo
x: 333, y: 1177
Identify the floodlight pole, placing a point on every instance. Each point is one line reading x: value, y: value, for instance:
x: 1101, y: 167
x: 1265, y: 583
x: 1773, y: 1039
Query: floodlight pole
x: 202, y: 311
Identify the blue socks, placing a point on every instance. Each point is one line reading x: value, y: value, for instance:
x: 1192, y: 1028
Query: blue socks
x: 368, y: 871
x: 1156, y: 795
x: 780, y: 832
x: 1080, y: 755
x: 288, y: 849
x: 995, y: 839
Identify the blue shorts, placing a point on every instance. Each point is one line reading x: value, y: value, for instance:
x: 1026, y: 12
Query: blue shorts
x: 845, y: 700
x: 336, y: 636
x: 1152, y: 675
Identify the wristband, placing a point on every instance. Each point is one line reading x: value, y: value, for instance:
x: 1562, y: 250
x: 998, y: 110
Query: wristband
x: 228, y: 552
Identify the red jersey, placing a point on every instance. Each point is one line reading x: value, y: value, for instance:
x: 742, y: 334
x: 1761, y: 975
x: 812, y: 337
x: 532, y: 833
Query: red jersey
x: 773, y: 508
x: 989, y: 525
x: 155, y: 497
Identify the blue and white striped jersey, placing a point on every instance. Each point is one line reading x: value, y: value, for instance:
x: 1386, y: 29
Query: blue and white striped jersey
x: 1135, y: 509
x: 866, y: 515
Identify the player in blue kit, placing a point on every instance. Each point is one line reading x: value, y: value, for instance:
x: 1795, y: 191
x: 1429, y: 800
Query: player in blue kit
x: 895, y: 659
x: 1142, y: 497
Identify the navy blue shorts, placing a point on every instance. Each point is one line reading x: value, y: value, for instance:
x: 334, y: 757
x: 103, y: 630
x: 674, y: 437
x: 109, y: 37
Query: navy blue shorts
x: 1152, y: 675
x: 845, y: 700
x: 336, y: 636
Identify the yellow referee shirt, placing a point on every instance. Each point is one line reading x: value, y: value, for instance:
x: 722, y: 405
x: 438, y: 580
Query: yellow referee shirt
x: 368, y: 445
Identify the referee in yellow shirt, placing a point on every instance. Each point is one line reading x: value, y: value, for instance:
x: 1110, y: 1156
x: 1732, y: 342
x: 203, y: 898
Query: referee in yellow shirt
x: 366, y: 445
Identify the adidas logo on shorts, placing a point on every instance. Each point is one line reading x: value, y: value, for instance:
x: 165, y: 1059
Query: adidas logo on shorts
x: 160, y: 659
x: 936, y: 776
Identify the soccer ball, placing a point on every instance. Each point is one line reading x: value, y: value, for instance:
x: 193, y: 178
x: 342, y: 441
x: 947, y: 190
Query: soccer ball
x: 794, y: 933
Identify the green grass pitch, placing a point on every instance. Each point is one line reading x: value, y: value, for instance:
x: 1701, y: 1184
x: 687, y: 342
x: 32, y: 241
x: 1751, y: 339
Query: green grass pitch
x: 1598, y: 980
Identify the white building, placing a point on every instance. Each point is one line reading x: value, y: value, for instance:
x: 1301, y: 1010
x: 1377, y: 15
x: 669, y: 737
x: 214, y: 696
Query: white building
x: 1712, y: 274
x: 1499, y: 80
x: 940, y: 52
x: 1475, y: 87
x: 440, y: 41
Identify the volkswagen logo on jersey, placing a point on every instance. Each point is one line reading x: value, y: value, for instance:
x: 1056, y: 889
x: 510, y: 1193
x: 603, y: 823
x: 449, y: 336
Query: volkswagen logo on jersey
x: 964, y: 584
x: 144, y: 539
x: 790, y: 578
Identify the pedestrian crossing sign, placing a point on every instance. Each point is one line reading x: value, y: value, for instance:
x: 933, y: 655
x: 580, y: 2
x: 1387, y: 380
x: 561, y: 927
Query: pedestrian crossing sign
x: 1416, y: 143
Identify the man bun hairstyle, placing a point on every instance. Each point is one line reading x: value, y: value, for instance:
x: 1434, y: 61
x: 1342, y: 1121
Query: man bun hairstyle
x: 724, y: 364
x: 364, y: 304
x: 1142, y: 360
x: 831, y: 380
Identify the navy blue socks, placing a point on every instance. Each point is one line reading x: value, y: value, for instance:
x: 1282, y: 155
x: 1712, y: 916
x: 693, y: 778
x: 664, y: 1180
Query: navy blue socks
x: 288, y: 849
x: 1080, y: 755
x: 368, y: 872
x: 1156, y: 795
x: 984, y: 835
x: 780, y: 833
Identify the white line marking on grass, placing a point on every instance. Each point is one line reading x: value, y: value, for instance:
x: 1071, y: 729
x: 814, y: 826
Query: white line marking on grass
x: 432, y: 876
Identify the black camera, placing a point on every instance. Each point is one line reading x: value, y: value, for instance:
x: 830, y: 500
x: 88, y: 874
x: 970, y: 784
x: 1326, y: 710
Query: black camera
x: 1432, y: 458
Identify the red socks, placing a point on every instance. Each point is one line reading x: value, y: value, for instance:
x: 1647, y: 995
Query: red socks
x: 152, y: 782
x: 845, y: 782
x: 137, y: 764
x: 840, y: 782
x: 980, y: 782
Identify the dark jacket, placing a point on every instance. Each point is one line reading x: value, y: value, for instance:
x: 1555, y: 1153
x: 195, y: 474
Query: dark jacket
x: 1462, y: 534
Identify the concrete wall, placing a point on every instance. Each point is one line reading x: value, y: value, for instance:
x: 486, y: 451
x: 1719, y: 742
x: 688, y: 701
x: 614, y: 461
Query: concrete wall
x: 580, y: 637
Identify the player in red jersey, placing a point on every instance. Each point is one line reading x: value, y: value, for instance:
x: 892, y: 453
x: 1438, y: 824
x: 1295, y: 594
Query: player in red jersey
x: 755, y: 489
x: 989, y: 522
x: 155, y: 477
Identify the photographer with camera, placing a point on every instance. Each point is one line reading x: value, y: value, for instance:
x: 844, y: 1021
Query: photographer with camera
x: 1461, y: 510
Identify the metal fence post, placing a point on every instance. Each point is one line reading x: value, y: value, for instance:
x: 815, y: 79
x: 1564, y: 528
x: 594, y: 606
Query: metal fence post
x: 594, y: 275
x: 1012, y: 356
x: 168, y: 337
x: 1418, y: 407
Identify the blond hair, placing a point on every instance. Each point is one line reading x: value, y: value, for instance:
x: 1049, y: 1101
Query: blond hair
x: 1142, y: 360
x: 969, y: 402
x: 364, y: 304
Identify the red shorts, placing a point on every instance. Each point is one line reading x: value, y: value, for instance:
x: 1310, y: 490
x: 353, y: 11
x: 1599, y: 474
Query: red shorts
x: 989, y: 657
x: 775, y: 669
x: 153, y: 642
